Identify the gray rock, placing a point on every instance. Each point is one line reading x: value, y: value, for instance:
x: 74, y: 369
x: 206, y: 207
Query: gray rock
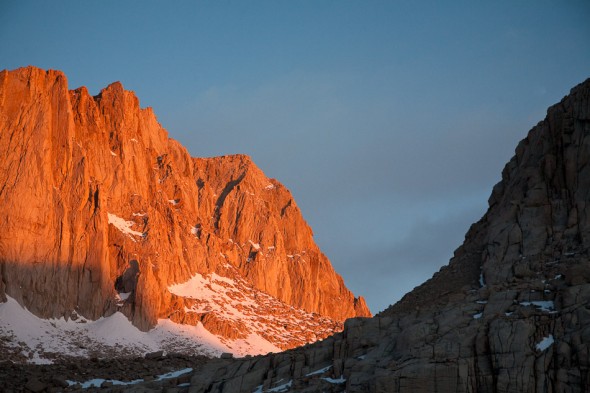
x: 154, y: 355
x: 35, y: 386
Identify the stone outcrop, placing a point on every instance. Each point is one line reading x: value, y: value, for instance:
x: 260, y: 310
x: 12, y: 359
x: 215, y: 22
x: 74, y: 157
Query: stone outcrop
x: 509, y: 313
x: 101, y: 212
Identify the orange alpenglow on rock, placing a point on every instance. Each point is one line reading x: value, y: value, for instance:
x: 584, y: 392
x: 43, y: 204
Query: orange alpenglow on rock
x: 102, y: 212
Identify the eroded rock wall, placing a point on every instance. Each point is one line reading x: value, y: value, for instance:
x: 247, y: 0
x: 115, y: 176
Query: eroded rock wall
x: 91, y: 187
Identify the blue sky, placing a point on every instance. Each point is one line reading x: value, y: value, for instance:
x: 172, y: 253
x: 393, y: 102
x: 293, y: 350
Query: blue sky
x: 390, y: 121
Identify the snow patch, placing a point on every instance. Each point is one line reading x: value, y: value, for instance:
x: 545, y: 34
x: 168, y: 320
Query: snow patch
x: 269, y: 187
x: 225, y: 297
x: 260, y: 316
x: 543, y: 305
x: 320, y: 371
x: 41, y: 337
x: 113, y: 154
x: 545, y: 343
x: 282, y: 388
x: 478, y: 316
x: 124, y: 226
x: 174, y: 374
x: 123, y: 295
x: 337, y: 381
x: 97, y: 382
x: 255, y: 246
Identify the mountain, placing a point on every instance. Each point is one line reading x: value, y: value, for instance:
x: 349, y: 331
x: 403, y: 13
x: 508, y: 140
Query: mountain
x: 509, y: 313
x: 104, y: 216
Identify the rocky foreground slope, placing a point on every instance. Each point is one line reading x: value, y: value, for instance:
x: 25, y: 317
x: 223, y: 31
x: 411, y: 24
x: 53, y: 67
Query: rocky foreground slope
x: 101, y: 212
x: 510, y: 312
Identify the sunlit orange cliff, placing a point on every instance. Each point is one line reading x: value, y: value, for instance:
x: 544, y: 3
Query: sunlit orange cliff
x: 101, y: 212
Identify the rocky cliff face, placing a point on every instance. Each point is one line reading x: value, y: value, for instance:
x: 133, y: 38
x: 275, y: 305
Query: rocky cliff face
x: 509, y: 313
x: 102, y: 212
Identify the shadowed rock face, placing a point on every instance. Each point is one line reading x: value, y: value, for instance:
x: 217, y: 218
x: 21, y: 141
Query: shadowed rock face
x: 96, y: 200
x: 509, y: 313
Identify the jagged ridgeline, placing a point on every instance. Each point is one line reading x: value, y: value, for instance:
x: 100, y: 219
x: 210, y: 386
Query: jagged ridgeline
x: 102, y: 213
x: 509, y: 313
